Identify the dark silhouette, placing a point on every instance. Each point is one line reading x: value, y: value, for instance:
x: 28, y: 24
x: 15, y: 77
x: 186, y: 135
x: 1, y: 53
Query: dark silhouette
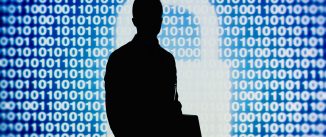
x: 140, y: 80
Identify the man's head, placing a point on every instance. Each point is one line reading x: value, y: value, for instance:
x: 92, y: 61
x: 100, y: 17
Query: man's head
x: 147, y: 17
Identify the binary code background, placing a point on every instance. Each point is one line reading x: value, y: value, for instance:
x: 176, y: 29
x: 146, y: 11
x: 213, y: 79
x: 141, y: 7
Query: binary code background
x: 53, y: 55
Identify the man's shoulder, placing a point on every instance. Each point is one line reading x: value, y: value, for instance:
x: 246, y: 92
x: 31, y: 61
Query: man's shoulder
x: 120, y: 51
x: 167, y: 54
x: 129, y: 48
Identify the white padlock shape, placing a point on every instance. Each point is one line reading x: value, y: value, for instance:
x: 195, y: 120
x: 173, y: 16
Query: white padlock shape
x: 203, y: 86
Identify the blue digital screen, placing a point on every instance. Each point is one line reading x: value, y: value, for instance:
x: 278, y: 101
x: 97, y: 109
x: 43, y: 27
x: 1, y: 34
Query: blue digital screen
x: 247, y: 68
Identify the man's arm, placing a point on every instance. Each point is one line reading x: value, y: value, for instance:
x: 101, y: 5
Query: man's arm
x: 109, y: 78
x: 176, y: 104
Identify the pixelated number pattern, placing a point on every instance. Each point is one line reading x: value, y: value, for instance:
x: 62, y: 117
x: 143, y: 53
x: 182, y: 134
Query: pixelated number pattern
x: 53, y: 55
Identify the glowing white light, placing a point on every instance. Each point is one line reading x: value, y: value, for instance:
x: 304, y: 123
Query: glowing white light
x: 203, y: 87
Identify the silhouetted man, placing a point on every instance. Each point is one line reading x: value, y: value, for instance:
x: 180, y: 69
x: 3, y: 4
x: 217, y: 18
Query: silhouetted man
x: 140, y: 80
